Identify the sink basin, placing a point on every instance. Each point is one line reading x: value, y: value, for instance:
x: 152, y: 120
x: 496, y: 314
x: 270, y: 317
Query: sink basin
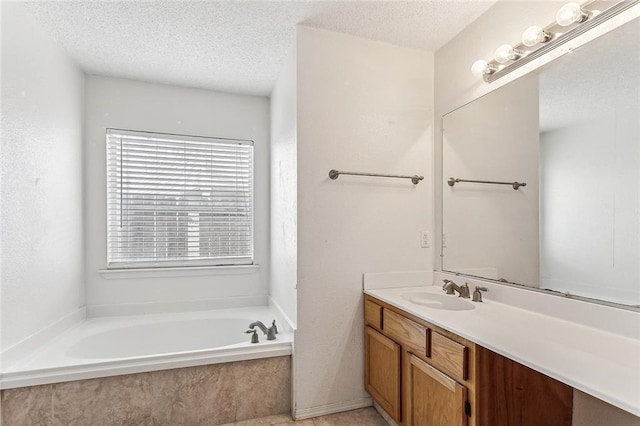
x: 438, y: 301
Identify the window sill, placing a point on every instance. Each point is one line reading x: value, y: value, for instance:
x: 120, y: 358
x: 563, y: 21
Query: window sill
x: 191, y: 271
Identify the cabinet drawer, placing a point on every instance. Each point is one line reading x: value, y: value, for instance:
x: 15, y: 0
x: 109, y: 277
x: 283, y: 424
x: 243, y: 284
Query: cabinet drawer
x: 448, y: 356
x: 409, y: 334
x: 373, y: 314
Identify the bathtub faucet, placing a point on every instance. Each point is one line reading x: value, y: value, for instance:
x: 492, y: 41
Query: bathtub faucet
x: 270, y: 332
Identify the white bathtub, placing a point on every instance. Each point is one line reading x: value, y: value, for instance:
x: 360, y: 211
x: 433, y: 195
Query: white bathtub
x: 108, y: 346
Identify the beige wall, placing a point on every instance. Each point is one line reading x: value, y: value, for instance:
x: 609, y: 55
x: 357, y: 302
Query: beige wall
x: 589, y: 411
x: 455, y: 85
x: 362, y: 106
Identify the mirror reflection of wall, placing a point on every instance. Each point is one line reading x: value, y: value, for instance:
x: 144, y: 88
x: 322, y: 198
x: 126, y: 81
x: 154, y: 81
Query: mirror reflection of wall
x: 590, y: 170
x: 492, y: 230
x: 571, y: 129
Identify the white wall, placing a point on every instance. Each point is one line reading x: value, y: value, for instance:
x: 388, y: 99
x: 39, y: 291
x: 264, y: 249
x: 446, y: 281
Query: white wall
x: 590, y: 231
x: 590, y: 177
x: 284, y: 200
x: 362, y: 106
x: 134, y: 105
x: 41, y: 172
x: 454, y: 85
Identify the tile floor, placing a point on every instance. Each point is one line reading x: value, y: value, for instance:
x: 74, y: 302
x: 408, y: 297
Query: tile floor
x: 362, y: 417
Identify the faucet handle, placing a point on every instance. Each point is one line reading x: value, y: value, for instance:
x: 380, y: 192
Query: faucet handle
x: 464, y: 291
x: 274, y: 326
x: 254, y: 337
x: 477, y: 296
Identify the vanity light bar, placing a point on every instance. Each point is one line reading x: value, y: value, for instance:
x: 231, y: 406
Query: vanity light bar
x: 536, y: 41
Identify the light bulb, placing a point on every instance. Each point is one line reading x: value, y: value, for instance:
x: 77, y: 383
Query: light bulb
x: 534, y: 35
x: 506, y: 53
x: 480, y: 68
x: 571, y: 13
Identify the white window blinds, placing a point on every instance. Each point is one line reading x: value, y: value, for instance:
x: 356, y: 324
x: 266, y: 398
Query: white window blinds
x: 178, y: 200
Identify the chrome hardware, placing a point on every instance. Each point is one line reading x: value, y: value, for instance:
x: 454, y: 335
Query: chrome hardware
x: 254, y: 337
x: 270, y: 332
x: 514, y: 185
x: 450, y: 288
x: 564, y: 35
x: 334, y: 174
x: 464, y: 291
x: 477, y: 295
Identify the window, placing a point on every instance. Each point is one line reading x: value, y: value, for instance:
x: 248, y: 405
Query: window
x: 178, y: 200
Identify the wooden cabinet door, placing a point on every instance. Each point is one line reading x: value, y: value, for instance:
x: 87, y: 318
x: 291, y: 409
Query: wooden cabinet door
x: 435, y: 398
x: 514, y: 395
x: 382, y: 371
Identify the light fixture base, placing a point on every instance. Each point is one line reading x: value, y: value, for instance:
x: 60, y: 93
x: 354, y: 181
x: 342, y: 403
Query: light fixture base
x: 558, y: 36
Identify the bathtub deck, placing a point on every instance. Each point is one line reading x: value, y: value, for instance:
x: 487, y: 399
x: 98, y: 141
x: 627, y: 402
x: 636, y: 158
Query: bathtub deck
x: 53, y: 364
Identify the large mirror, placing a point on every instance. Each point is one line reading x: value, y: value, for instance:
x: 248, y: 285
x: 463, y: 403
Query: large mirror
x: 570, y: 131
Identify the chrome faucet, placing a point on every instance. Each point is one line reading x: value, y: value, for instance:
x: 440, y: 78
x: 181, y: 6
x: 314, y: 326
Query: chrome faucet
x: 270, y: 332
x: 477, y: 296
x: 254, y: 335
x: 450, y: 288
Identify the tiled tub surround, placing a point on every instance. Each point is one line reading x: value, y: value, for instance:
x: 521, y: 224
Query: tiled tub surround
x: 204, y: 395
x: 109, y: 346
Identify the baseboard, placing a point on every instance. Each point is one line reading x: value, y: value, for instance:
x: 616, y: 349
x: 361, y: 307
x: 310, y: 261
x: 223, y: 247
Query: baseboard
x: 30, y: 345
x: 323, y: 410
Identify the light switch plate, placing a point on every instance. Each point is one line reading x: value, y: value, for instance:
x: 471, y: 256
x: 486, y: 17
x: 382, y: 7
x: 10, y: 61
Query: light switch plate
x: 424, y: 239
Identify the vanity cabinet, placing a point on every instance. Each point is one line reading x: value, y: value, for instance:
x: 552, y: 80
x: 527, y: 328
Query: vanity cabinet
x: 434, y: 397
x: 382, y: 377
x: 423, y: 375
x: 519, y: 395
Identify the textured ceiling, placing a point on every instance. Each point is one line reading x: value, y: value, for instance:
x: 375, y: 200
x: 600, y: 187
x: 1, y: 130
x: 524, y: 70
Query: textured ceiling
x: 234, y: 46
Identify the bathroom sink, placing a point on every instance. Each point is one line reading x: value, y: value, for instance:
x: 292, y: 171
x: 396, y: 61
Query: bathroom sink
x: 438, y: 301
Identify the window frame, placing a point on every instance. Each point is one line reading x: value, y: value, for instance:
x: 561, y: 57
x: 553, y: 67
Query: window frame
x: 197, y: 264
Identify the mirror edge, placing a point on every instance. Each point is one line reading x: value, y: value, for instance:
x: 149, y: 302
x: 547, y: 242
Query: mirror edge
x: 628, y: 14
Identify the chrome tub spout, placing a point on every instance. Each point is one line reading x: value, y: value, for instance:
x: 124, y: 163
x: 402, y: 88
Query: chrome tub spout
x: 270, y: 332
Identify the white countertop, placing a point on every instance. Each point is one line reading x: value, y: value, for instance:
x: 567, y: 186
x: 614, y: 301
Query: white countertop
x: 603, y: 364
